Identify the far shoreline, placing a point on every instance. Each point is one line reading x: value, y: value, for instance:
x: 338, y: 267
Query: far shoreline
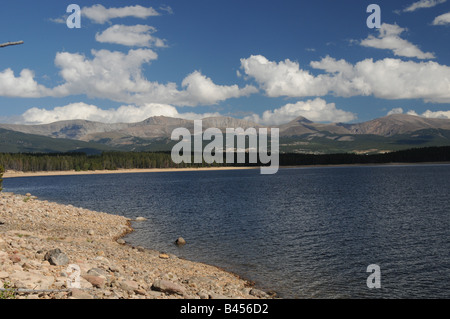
x: 15, y: 174
x: 366, y: 164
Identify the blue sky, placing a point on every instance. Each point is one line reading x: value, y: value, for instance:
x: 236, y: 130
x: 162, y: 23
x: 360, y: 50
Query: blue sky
x: 266, y: 61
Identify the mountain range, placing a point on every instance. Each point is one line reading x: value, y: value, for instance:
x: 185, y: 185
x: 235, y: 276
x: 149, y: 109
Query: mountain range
x: 389, y: 133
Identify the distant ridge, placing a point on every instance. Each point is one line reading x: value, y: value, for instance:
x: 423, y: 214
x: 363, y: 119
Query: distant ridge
x: 154, y: 127
x: 17, y: 142
x: 162, y: 126
x: 387, y: 133
x: 399, y: 124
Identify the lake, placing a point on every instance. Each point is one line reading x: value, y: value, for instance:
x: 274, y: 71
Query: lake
x: 303, y: 232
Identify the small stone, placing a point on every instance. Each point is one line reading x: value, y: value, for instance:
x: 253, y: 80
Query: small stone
x: 154, y: 294
x: 140, y: 292
x: 28, y: 266
x: 141, y: 219
x: 27, y: 194
x: 217, y: 296
x: 141, y: 249
x: 79, y: 294
x: 246, y: 290
x: 14, y: 244
x: 3, y: 255
x: 168, y: 287
x: 3, y: 275
x: 97, y: 272
x: 56, y: 257
x: 203, y: 295
x: 164, y: 256
x: 118, y: 294
x: 258, y: 293
x: 60, y: 283
x: 169, y: 276
x: 180, y: 241
x: 91, y: 232
x: 59, y: 295
x: 129, y: 285
x: 96, y: 281
x: 102, y: 260
x: 120, y: 241
x: 39, y: 255
x: 15, y: 258
x: 85, y: 284
x: 114, y: 268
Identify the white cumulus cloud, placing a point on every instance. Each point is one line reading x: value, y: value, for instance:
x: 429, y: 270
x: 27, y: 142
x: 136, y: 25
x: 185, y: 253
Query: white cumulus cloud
x: 284, y: 78
x: 397, y: 79
x: 443, y: 19
x: 389, y: 39
x: 89, y: 112
x: 388, y: 78
x: 426, y: 114
x: 136, y: 35
x: 119, y: 77
x: 113, y: 75
x: 22, y: 86
x: 99, y: 14
x: 317, y: 110
x: 421, y: 4
x: 397, y: 110
x: 201, y: 89
x: 436, y: 114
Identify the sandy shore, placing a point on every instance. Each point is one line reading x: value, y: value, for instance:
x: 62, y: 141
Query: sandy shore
x: 39, y: 239
x: 12, y: 174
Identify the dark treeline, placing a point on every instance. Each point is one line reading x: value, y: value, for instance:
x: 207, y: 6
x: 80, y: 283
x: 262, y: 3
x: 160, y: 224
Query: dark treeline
x: 127, y: 160
x: 81, y: 162
x: 415, y: 155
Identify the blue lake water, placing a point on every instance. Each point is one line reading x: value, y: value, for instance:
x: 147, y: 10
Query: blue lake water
x: 303, y: 232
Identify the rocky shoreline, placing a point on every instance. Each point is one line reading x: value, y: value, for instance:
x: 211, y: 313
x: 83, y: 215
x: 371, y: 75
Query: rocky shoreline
x: 40, y: 241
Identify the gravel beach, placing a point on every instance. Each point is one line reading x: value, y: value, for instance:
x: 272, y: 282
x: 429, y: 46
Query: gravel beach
x: 40, y: 241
